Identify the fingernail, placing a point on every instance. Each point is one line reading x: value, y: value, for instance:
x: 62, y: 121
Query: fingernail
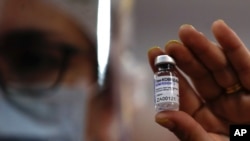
x: 152, y: 48
x: 172, y: 42
x: 165, y: 123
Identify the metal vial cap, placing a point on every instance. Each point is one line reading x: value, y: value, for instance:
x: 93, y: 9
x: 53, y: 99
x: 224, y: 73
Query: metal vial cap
x: 162, y: 59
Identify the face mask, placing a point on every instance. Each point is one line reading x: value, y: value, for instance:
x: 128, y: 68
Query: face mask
x: 57, y: 114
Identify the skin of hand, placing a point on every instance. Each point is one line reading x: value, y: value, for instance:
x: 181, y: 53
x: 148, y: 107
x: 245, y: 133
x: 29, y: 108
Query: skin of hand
x: 206, y: 110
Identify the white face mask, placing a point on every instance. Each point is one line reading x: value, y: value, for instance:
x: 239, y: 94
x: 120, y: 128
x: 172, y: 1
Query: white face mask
x: 57, y: 114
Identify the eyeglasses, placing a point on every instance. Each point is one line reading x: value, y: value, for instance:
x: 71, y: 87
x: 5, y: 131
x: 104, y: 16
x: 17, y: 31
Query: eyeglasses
x: 31, y: 64
x: 29, y: 61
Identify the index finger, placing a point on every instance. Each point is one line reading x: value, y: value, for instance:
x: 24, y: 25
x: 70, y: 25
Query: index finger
x: 152, y: 54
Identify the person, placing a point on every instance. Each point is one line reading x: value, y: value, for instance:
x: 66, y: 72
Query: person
x: 48, y: 73
x: 216, y: 94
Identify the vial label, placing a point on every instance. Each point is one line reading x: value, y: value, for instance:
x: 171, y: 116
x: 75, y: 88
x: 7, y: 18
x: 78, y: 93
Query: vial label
x: 166, y: 89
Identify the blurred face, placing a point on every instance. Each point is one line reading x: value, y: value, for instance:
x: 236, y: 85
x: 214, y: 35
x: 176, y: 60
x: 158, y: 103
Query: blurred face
x: 41, y: 46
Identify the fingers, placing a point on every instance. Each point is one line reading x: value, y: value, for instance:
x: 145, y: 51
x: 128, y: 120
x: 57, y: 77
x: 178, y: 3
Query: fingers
x: 209, y: 54
x: 201, y: 77
x: 189, y: 100
x: 183, y: 126
x: 235, y: 50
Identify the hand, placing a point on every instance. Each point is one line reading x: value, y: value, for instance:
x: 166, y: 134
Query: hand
x: 207, y: 105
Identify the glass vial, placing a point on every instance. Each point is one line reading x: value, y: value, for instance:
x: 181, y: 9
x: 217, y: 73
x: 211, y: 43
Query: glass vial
x: 166, y: 84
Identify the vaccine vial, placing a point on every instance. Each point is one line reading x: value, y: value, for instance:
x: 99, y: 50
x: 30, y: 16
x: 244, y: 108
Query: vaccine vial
x: 166, y: 84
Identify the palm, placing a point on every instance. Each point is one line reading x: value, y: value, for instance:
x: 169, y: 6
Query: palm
x: 216, y: 116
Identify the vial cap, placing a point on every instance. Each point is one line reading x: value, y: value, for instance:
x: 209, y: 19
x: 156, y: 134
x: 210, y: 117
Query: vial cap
x: 162, y: 59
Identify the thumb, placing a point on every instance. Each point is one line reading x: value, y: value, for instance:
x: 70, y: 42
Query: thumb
x: 182, y: 125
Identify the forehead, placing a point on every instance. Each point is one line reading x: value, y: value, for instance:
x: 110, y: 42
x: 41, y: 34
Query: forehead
x: 42, y: 16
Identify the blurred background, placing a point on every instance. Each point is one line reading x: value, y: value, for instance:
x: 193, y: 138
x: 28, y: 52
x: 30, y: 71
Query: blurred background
x: 154, y: 23
x: 122, y: 107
